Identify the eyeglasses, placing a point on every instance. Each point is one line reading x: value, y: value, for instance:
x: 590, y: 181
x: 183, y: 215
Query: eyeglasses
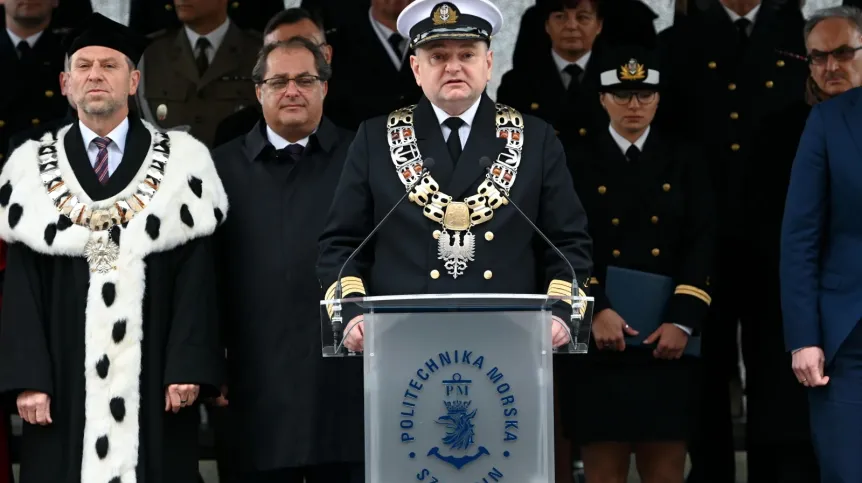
x: 625, y: 97
x: 280, y: 83
x: 841, y: 54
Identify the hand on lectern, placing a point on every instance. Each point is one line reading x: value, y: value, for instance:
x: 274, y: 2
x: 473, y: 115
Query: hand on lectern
x: 559, y: 333
x: 354, y: 337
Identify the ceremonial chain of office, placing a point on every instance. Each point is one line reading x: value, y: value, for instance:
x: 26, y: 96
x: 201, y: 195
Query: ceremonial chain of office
x: 457, y: 248
x: 101, y: 251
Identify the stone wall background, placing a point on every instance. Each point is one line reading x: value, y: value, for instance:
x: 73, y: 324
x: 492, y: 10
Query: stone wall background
x: 504, y: 42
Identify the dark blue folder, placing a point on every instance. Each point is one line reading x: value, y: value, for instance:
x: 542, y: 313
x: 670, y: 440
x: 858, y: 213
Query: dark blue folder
x: 641, y: 300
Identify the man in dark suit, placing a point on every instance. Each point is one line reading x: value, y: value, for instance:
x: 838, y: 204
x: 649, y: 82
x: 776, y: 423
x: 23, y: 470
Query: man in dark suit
x: 283, y: 26
x: 371, y: 66
x: 821, y: 298
x: 456, y: 124
x: 280, y: 178
x: 68, y: 15
x: 196, y: 75
x: 726, y: 75
x: 34, y: 53
x: 335, y: 13
x: 151, y: 16
x: 559, y: 84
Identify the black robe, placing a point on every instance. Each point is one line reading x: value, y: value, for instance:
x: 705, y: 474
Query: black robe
x: 104, y: 346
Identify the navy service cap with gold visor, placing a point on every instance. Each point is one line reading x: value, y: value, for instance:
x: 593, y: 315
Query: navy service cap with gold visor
x: 424, y: 21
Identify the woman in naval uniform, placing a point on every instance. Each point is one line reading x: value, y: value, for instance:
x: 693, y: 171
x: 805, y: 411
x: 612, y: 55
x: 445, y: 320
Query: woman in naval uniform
x: 649, y: 206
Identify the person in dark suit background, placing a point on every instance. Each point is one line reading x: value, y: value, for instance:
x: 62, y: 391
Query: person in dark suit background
x: 335, y: 13
x: 151, y: 16
x: 726, y: 75
x: 371, y: 66
x: 34, y: 52
x: 283, y: 26
x: 778, y: 434
x: 68, y: 14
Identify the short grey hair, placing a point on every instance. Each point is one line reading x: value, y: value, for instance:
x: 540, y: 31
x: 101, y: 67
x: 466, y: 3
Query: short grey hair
x: 324, y: 70
x: 850, y: 14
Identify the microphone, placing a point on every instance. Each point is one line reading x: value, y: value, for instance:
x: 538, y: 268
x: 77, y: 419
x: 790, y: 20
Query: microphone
x: 427, y: 164
x: 485, y: 162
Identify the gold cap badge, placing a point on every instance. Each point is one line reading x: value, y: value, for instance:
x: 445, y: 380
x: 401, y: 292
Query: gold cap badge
x: 632, y: 71
x: 445, y: 14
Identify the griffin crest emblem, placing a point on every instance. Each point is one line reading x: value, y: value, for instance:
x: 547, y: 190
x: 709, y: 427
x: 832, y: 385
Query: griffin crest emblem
x: 632, y: 71
x: 445, y: 14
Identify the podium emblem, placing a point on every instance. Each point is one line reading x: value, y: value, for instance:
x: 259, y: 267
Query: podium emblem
x: 478, y: 426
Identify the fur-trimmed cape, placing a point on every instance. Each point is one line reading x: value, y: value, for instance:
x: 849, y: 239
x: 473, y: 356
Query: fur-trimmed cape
x: 104, y: 345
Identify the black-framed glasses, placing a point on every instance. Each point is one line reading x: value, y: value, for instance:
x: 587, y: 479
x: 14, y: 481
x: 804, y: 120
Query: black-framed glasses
x: 623, y: 98
x: 841, y: 54
x: 279, y: 83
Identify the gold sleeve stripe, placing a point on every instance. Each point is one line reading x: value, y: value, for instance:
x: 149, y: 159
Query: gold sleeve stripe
x: 348, y: 285
x: 694, y: 292
x: 560, y: 288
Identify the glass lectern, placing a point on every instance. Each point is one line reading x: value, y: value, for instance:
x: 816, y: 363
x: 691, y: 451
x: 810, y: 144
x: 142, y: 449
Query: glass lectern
x: 459, y: 387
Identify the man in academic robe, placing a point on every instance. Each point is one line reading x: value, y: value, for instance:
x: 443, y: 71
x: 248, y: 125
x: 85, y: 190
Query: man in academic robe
x: 457, y: 125
x: 109, y: 333
x: 285, y: 401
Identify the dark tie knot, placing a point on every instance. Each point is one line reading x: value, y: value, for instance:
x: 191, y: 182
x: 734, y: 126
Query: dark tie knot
x: 454, y: 123
x: 290, y: 152
x: 742, y: 25
x: 24, y: 47
x: 203, y: 43
x: 395, y: 41
x: 102, y: 143
x: 633, y: 153
x: 573, y: 70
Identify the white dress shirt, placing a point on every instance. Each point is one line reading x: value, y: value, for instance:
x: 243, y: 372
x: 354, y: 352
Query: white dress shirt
x: 467, y: 117
x: 624, y: 145
x: 216, y: 37
x: 115, y: 149
x: 279, y: 142
x: 383, y: 33
x: 17, y: 40
x: 563, y: 63
x: 751, y: 16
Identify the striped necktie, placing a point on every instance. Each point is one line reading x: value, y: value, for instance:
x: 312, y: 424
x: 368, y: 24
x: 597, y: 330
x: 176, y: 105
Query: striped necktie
x: 102, y: 159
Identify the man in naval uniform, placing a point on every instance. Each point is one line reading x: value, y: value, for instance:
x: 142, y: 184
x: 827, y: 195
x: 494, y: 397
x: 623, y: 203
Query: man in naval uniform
x: 458, y: 126
x: 108, y: 334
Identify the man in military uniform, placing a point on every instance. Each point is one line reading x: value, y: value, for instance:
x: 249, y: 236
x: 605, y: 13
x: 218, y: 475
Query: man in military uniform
x: 727, y: 74
x: 371, y: 66
x: 196, y: 75
x: 458, y: 126
x: 32, y: 55
x: 151, y: 16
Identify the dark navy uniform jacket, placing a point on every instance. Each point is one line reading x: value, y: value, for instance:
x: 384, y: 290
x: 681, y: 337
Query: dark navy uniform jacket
x: 403, y: 258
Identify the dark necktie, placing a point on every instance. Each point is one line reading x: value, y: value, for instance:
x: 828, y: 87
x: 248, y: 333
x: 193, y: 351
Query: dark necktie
x: 24, y: 49
x: 742, y: 25
x: 574, y: 71
x: 454, y: 141
x: 202, y: 60
x: 291, y: 152
x: 395, y: 42
x: 633, y: 154
x: 101, y: 166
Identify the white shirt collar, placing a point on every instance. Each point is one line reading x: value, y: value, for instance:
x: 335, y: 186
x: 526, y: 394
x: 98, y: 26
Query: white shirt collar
x: 279, y: 142
x: 117, y: 136
x: 563, y: 63
x: 467, y: 116
x: 751, y: 16
x: 30, y: 40
x: 216, y: 37
x: 625, y: 144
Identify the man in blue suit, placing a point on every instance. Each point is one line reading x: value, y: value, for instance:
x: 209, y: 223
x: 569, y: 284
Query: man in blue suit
x: 821, y: 262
